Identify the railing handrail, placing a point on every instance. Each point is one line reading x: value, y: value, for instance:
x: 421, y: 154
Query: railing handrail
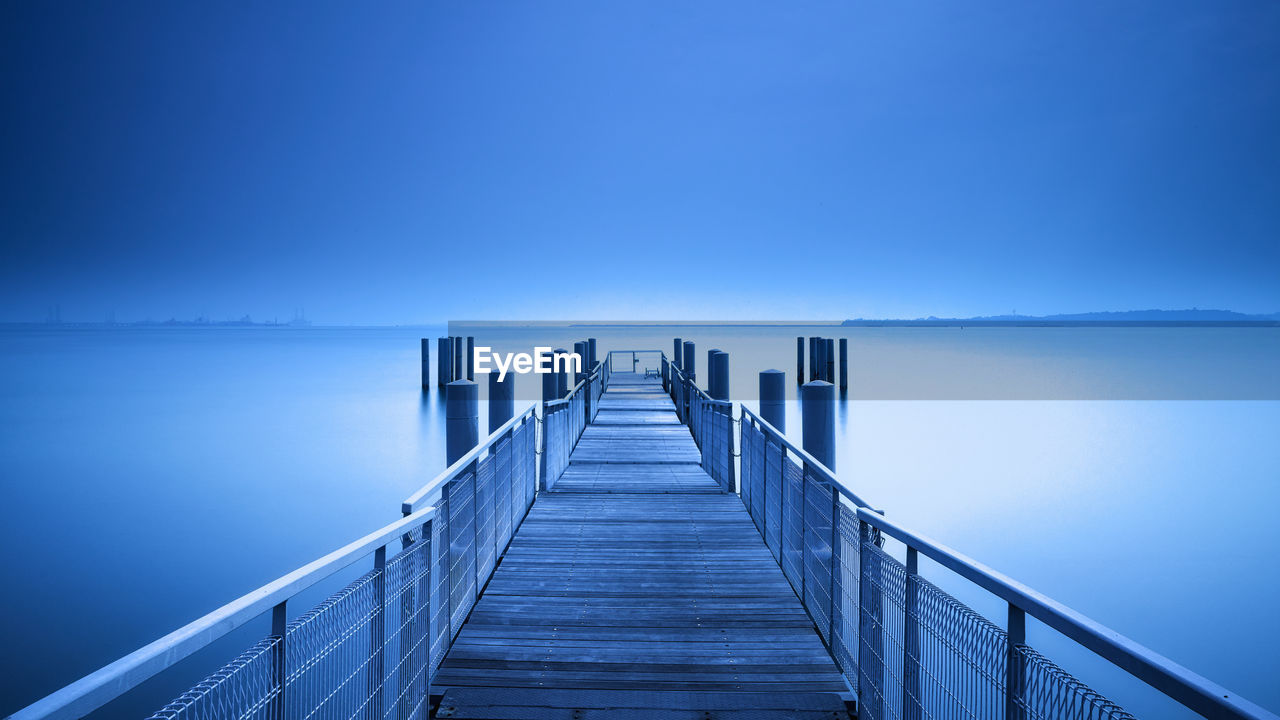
x: 461, y: 463
x: 1181, y: 684
x: 808, y: 459
x: 113, y: 680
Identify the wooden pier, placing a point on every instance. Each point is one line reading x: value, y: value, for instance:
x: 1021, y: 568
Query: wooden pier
x: 637, y: 588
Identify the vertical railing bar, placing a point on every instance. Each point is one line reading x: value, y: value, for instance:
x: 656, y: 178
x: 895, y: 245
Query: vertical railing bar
x: 377, y: 633
x: 911, y: 639
x: 279, y: 630
x: 1014, y: 686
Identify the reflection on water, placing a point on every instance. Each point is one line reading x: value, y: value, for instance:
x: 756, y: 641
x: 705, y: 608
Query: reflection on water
x: 151, y: 475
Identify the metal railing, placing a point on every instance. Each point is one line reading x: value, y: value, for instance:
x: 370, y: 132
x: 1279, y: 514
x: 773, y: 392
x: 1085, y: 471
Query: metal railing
x: 908, y: 648
x: 564, y: 420
x: 368, y: 650
x: 710, y: 422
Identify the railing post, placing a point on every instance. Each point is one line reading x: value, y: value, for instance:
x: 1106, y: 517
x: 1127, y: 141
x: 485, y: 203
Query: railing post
x: 279, y: 629
x: 773, y: 398
x: 911, y: 709
x: 1014, y: 689
x: 502, y: 401
x: 377, y: 634
x: 444, y: 365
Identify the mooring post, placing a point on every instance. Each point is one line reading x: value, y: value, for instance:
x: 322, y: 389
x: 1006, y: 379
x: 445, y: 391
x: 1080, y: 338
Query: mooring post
x: 457, y: 358
x: 502, y: 400
x: 549, y: 382
x: 471, y: 358
x: 690, y: 361
x: 711, y: 370
x: 773, y: 398
x: 591, y: 354
x: 829, y: 355
x: 719, y: 369
x: 581, y: 349
x: 444, y: 362
x: 800, y: 360
x: 426, y: 364
x: 558, y: 360
x: 818, y: 421
x: 844, y: 364
x: 462, y: 419
x: 813, y: 359
x: 677, y: 354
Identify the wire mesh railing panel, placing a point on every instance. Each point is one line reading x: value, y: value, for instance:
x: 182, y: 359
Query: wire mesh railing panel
x: 883, y: 604
x: 793, y: 524
x: 844, y: 626
x: 461, y: 496
x: 773, y: 460
x: 244, y: 688
x: 502, y: 494
x: 403, y: 669
x: 441, y: 615
x: 362, y: 653
x: 1049, y: 692
x: 486, y: 558
x: 957, y: 660
x: 819, y: 504
x: 751, y: 466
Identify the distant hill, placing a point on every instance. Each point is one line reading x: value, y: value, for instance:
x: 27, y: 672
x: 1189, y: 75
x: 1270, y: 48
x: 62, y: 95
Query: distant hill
x: 1130, y: 318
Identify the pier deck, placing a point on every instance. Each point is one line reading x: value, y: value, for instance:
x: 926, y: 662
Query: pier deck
x: 636, y: 588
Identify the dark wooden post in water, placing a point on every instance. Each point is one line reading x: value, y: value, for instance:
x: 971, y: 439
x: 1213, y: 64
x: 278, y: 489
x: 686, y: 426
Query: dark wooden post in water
x: 844, y: 364
x: 690, y: 362
x: 444, y: 363
x: 457, y: 358
x: 591, y: 354
x: 813, y: 359
x: 562, y: 372
x: 773, y: 398
x: 581, y: 348
x: 549, y: 383
x: 502, y: 400
x: 799, y: 361
x: 829, y: 357
x: 677, y: 355
x: 718, y: 370
x: 818, y: 421
x: 461, y: 419
x: 711, y: 370
x: 426, y: 364
x: 471, y: 358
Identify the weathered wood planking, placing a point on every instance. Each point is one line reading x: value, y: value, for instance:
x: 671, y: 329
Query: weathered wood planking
x: 638, y: 589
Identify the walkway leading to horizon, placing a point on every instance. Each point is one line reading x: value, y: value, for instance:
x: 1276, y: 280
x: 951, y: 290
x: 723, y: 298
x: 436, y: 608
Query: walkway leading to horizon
x: 636, y: 588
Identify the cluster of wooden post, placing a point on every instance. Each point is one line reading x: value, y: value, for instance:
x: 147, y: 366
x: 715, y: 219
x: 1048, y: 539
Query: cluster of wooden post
x: 822, y: 360
x: 455, y: 360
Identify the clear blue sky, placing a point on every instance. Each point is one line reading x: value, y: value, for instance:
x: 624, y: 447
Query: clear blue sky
x: 410, y: 162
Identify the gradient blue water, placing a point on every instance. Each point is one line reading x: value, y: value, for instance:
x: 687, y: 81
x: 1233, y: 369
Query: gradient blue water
x: 151, y: 475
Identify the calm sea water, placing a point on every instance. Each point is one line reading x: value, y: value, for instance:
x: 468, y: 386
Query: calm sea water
x: 151, y: 475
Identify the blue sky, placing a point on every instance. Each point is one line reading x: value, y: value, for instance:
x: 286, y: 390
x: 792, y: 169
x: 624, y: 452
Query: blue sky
x: 413, y: 162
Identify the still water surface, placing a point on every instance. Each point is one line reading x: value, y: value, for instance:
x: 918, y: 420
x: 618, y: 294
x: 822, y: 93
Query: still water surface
x: 150, y: 475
